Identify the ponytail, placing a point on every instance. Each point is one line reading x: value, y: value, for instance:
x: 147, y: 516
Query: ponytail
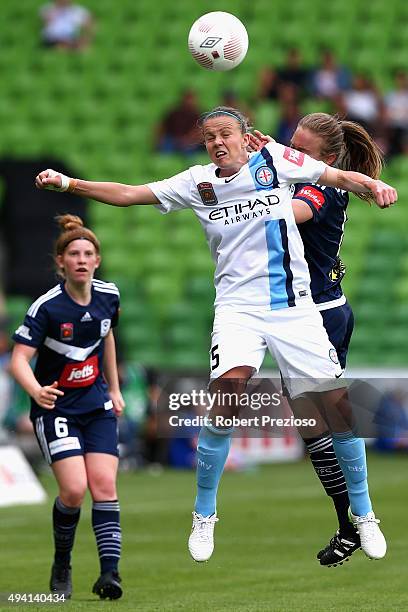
x: 350, y: 142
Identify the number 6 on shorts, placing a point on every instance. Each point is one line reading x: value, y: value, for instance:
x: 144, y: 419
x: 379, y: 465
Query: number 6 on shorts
x: 61, y: 427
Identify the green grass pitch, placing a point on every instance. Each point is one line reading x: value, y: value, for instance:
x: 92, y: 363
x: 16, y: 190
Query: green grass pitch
x: 272, y: 522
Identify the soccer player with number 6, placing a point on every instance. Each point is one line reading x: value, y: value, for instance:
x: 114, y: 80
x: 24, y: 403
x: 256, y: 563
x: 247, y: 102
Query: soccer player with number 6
x: 75, y: 399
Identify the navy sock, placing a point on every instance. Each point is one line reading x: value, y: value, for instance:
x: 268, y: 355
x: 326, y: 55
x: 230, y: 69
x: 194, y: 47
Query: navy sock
x: 106, y: 526
x: 212, y: 453
x: 329, y: 472
x: 65, y: 521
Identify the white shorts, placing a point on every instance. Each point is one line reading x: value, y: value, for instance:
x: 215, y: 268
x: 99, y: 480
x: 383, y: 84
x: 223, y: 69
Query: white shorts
x: 295, y: 336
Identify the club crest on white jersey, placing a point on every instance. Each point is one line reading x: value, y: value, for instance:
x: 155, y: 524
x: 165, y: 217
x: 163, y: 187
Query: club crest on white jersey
x: 249, y: 225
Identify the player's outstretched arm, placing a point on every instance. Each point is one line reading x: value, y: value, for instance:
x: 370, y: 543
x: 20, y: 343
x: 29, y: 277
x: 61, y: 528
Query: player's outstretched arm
x: 384, y: 195
x: 116, y: 194
x: 21, y: 370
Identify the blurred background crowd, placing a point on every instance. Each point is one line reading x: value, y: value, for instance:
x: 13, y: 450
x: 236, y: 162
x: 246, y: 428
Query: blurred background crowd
x: 284, y: 93
x: 107, y: 91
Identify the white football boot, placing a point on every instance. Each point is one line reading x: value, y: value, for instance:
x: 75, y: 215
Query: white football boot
x: 372, y: 539
x: 201, y: 540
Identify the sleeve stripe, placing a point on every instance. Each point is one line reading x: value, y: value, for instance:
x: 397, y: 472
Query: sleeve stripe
x: 96, y: 281
x: 266, y: 154
x: 32, y: 311
x: 103, y: 287
x: 107, y: 290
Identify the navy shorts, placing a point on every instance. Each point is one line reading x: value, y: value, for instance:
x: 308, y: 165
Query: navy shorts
x: 61, y: 436
x: 339, y: 324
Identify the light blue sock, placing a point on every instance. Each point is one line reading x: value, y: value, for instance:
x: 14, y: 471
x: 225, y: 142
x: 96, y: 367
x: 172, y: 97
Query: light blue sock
x: 212, y: 453
x: 351, y: 455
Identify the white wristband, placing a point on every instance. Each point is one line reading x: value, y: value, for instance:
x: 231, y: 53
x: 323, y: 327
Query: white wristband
x: 64, y: 180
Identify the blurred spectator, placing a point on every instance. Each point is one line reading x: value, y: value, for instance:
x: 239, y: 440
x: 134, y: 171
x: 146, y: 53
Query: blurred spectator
x: 287, y: 123
x: 15, y: 424
x: 178, y: 132
x: 2, y: 280
x: 5, y: 379
x: 66, y: 25
x: 392, y: 422
x: 363, y: 103
x: 329, y: 79
x: 230, y: 98
x: 294, y: 72
x: 290, y: 113
x: 134, y: 391
x: 2, y: 271
x: 183, y: 443
x: 17, y: 419
x: 268, y: 84
x: 156, y: 447
x: 396, y: 111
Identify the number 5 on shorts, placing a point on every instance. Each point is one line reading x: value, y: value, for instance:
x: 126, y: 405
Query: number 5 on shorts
x: 215, y: 358
x: 61, y: 427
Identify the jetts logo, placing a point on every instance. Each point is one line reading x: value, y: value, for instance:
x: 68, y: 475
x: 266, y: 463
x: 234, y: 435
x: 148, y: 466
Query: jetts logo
x: 296, y: 157
x: 312, y: 194
x: 82, y: 374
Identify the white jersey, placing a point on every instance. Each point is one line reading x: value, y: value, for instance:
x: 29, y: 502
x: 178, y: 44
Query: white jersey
x: 249, y: 224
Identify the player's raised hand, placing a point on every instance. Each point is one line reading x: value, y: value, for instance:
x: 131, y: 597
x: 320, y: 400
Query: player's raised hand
x: 47, y: 396
x: 384, y: 194
x: 50, y: 179
x: 257, y: 140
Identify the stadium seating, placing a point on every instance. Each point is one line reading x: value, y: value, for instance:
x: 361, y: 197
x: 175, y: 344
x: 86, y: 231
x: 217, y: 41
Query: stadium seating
x: 99, y: 109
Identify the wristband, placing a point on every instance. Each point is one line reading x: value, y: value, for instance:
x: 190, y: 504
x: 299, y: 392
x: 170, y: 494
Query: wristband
x: 65, y: 181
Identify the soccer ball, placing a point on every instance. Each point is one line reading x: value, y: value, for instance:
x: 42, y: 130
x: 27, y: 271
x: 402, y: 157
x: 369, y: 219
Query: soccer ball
x: 218, y: 41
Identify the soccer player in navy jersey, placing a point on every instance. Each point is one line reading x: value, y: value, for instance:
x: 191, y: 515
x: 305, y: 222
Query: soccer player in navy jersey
x: 75, y: 399
x: 320, y: 213
x: 263, y: 300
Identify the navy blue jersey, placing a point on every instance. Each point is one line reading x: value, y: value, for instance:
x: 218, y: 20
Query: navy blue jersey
x: 70, y: 342
x: 322, y: 237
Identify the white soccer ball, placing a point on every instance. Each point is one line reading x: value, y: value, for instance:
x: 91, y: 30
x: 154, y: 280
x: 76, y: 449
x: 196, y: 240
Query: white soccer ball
x: 218, y: 41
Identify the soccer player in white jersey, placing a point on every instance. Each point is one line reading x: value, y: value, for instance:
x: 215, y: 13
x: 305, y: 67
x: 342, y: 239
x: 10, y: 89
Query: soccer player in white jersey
x: 262, y: 288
